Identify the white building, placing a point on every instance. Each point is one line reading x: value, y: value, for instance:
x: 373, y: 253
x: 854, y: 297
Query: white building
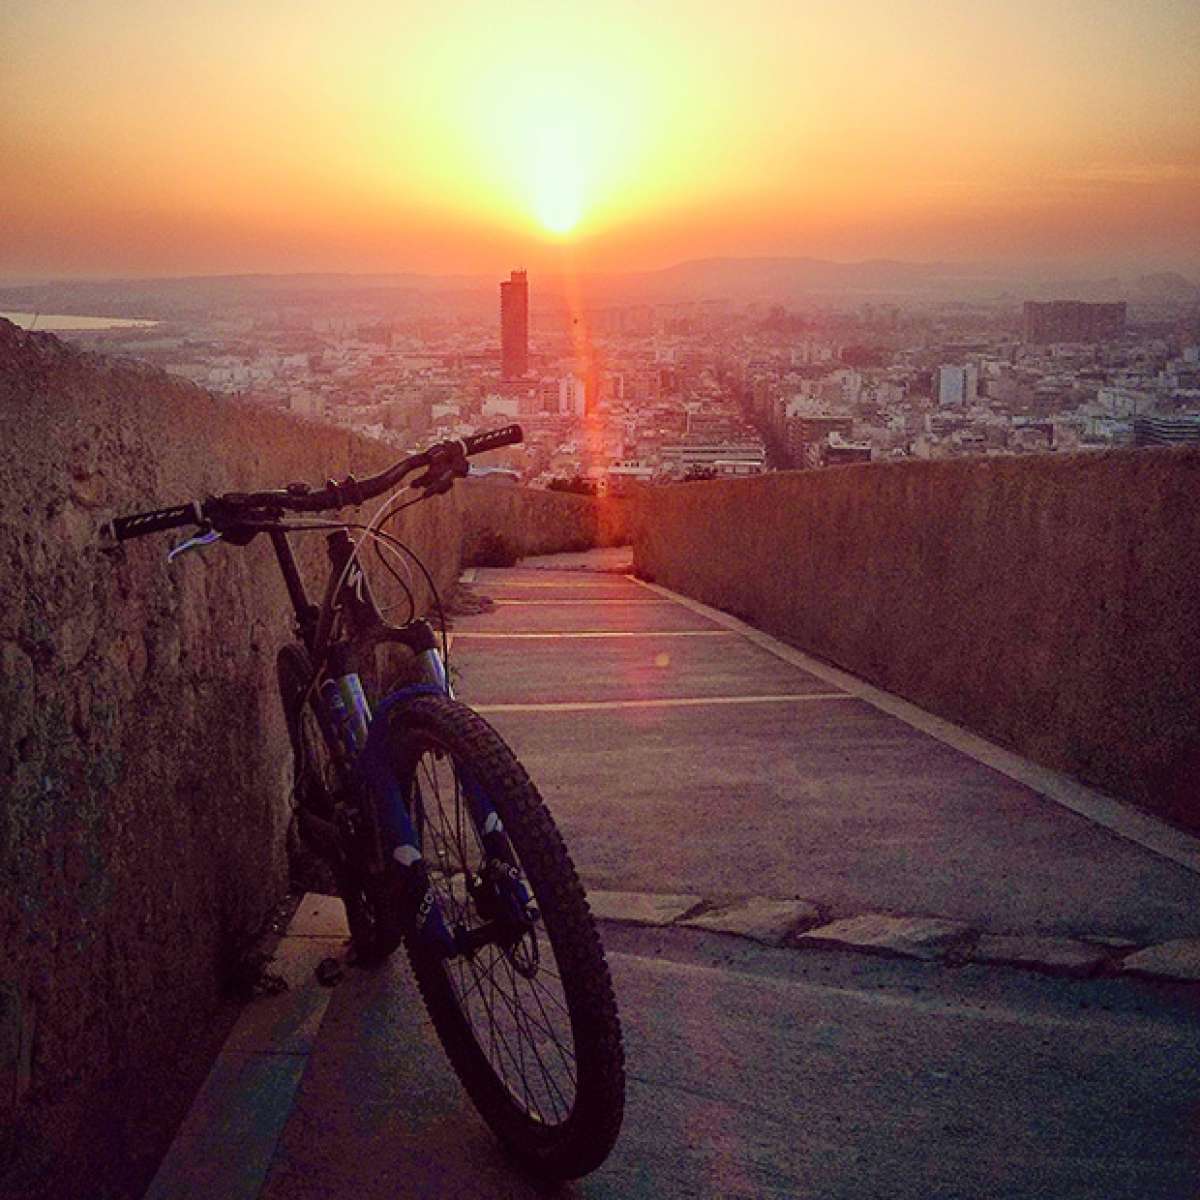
x: 851, y: 383
x: 1122, y: 401
x: 810, y: 350
x: 625, y: 472
x: 957, y: 387
x: 306, y: 403
x: 548, y: 388
x: 727, y: 458
x: 501, y: 406
x: 572, y: 395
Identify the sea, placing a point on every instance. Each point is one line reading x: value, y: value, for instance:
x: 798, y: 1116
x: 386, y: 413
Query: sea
x: 61, y: 323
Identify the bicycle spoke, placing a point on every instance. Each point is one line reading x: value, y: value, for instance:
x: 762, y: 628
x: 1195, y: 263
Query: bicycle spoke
x: 487, y: 989
x: 513, y: 995
x: 523, y: 1017
x: 496, y: 1032
x: 488, y: 976
x: 517, y: 1014
x: 521, y: 1040
x: 567, y: 1057
x: 510, y: 995
x: 480, y: 979
x: 537, y: 980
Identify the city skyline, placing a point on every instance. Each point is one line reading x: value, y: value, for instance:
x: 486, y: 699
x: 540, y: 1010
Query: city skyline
x: 144, y: 140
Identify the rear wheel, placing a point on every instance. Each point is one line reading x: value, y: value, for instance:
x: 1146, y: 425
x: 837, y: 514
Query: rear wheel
x: 372, y: 914
x: 313, y: 770
x: 525, y: 1010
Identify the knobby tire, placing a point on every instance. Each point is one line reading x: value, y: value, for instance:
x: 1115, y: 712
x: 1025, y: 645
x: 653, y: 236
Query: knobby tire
x: 531, y: 1031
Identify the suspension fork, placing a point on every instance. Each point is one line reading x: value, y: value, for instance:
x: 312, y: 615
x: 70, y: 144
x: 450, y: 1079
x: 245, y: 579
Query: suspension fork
x: 396, y: 841
x: 399, y: 842
x: 500, y: 865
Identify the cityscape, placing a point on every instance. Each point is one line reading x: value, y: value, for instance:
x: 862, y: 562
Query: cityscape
x: 613, y: 395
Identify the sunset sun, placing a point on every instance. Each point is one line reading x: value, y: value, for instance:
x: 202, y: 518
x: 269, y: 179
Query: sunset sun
x: 558, y: 148
x: 557, y: 180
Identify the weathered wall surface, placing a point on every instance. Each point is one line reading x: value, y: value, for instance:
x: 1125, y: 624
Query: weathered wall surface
x: 146, y: 766
x: 540, y: 522
x: 1052, y: 604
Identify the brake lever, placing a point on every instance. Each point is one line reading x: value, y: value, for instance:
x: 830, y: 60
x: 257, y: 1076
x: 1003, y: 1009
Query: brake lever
x: 433, y: 483
x: 446, y: 460
x: 194, y: 543
x: 440, y: 477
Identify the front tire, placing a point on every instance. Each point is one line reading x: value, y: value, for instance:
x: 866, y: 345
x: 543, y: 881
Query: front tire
x: 529, y: 1021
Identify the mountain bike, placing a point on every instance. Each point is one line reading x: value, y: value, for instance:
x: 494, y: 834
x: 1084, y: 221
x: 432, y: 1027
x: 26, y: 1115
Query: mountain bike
x: 432, y: 830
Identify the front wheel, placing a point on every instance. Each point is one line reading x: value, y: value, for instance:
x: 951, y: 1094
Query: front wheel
x: 525, y: 1008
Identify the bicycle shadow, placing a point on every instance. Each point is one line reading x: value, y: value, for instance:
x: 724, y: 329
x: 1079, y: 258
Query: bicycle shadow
x: 379, y: 1112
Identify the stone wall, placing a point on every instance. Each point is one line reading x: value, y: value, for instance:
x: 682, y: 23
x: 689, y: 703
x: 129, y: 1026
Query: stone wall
x: 1050, y: 603
x: 534, y: 522
x: 146, y: 766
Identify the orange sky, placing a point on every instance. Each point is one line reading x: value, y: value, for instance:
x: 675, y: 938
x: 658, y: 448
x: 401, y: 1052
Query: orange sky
x: 154, y: 137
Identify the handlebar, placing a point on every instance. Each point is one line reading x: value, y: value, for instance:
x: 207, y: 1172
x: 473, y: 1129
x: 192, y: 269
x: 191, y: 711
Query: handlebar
x: 443, y: 462
x: 494, y: 439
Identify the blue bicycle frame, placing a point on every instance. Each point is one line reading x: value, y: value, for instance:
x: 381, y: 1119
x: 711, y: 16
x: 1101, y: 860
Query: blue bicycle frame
x: 367, y: 749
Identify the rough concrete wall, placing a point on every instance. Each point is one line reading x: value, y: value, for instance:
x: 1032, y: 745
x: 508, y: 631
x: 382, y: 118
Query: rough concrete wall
x: 1052, y: 604
x: 146, y: 767
x: 536, y: 522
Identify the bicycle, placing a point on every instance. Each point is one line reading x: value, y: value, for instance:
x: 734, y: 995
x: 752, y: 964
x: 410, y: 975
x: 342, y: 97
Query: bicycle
x: 433, y: 831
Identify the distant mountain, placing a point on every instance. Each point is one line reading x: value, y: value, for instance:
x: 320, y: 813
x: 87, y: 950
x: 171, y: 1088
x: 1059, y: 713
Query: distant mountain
x: 787, y: 281
x: 782, y: 278
x: 180, y: 297
x: 799, y: 280
x: 1165, y: 287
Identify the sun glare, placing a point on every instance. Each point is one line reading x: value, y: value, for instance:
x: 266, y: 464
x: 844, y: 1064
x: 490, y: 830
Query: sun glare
x: 557, y: 182
x: 559, y: 213
x: 561, y: 126
x: 554, y: 141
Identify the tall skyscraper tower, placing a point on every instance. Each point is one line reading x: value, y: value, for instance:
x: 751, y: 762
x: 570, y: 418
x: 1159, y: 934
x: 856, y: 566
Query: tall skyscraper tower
x: 514, y: 326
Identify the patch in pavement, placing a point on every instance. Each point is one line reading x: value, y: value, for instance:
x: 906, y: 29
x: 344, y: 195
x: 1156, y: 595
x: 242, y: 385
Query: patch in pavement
x: 1065, y: 956
x: 758, y: 918
x: 776, y: 922
x: 640, y: 908
x: 1177, y: 960
x: 879, y: 933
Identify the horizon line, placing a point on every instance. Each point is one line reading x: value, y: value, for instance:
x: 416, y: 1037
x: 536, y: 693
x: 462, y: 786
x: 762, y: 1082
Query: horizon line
x: 1081, y: 270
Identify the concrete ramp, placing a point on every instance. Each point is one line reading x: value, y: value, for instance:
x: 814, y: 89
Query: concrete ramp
x: 858, y: 952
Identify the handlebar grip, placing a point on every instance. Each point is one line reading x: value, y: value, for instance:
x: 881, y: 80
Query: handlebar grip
x: 509, y: 435
x: 121, y: 529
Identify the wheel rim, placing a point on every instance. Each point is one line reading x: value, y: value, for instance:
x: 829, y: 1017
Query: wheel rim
x: 315, y: 786
x: 319, y: 780
x: 511, y: 998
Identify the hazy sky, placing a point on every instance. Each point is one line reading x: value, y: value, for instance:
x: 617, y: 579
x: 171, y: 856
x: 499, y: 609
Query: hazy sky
x: 156, y: 137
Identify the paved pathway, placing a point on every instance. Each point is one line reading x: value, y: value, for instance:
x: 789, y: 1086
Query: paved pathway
x: 682, y: 757
x: 858, y: 953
